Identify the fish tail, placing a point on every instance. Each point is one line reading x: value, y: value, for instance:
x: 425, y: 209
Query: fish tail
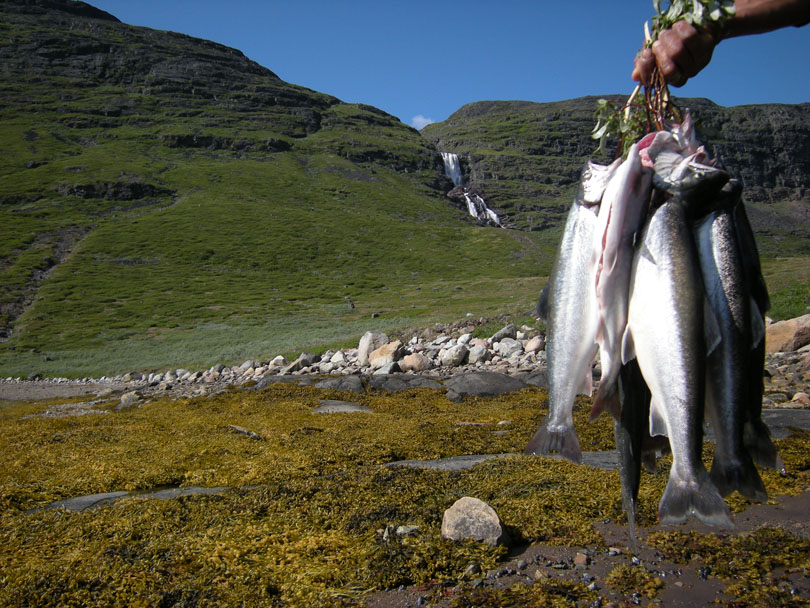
x: 555, y: 438
x: 757, y: 440
x: 741, y: 476
x: 606, y: 399
x: 700, y: 498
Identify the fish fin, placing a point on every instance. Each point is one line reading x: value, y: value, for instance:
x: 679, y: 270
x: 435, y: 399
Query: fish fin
x: 628, y: 347
x: 757, y: 440
x: 683, y: 498
x: 607, y: 399
x: 757, y: 324
x: 645, y: 252
x: 711, y: 329
x: 658, y: 425
x: 741, y: 476
x: 555, y: 438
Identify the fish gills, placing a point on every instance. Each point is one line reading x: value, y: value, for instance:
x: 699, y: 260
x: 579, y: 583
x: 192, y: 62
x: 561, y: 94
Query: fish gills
x: 665, y: 333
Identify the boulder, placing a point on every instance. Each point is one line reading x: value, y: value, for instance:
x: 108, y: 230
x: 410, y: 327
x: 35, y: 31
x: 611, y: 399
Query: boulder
x: 342, y: 383
x: 389, y: 368
x: 510, y: 331
x: 478, y: 354
x: 788, y: 335
x: 415, y: 362
x: 507, y: 347
x: 388, y: 353
x: 472, y: 518
x: 303, y: 360
x: 481, y: 384
x: 454, y: 355
x: 535, y: 345
x: 370, y: 342
x: 400, y: 382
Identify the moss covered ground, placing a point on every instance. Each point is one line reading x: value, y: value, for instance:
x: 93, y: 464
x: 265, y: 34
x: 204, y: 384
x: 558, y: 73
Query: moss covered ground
x: 301, y: 523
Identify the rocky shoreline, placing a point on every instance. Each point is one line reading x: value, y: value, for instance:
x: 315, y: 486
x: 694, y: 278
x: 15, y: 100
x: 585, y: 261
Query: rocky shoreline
x: 427, y: 357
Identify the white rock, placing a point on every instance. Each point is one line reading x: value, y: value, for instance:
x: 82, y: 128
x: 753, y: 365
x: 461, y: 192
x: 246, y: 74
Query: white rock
x: 472, y: 518
x: 465, y: 339
x: 370, y: 342
x: 454, y: 356
x: 278, y: 361
x: 478, y: 354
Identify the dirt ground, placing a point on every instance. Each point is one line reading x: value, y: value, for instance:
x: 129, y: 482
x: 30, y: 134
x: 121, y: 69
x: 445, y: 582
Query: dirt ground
x: 684, y: 586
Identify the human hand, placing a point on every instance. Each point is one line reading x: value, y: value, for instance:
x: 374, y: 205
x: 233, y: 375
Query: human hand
x: 680, y: 52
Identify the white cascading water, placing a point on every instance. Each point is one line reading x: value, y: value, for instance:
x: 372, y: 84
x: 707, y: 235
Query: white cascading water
x: 476, y: 205
x: 452, y: 168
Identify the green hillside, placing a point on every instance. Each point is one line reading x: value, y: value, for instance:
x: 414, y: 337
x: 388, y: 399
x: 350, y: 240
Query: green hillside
x: 164, y: 201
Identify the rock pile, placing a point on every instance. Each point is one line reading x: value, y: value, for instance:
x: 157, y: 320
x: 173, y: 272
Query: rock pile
x: 436, y: 356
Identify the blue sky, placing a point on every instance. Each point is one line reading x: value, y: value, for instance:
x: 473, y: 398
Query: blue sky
x: 427, y: 58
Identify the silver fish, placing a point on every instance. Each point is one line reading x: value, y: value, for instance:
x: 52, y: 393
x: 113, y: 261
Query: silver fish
x: 570, y: 340
x: 727, y: 381
x: 624, y: 206
x: 666, y: 333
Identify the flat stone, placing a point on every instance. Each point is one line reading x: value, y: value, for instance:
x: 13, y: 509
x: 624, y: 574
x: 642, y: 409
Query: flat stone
x: 350, y: 383
x: 537, y: 378
x: 331, y: 406
x: 94, y: 501
x: 393, y: 383
x: 480, y: 384
x: 454, y: 463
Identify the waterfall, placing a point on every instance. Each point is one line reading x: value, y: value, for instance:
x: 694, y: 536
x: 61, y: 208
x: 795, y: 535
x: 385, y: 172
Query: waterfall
x: 452, y: 168
x: 476, y: 206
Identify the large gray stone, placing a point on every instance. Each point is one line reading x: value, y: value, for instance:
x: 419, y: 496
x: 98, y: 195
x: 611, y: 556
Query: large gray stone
x: 507, y: 347
x: 473, y: 518
x: 478, y: 354
x: 342, y: 383
x: 481, y: 384
x: 400, y: 382
x: 510, y: 331
x: 304, y: 360
x: 454, y: 355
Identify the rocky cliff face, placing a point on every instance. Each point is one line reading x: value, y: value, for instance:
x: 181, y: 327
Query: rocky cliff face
x: 525, y: 158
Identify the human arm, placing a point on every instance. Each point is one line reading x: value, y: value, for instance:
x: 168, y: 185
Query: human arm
x: 683, y: 50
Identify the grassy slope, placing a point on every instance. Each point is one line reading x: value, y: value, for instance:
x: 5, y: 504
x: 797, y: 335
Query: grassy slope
x: 235, y: 250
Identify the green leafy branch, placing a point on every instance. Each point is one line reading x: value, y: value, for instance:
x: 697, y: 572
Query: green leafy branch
x: 642, y: 113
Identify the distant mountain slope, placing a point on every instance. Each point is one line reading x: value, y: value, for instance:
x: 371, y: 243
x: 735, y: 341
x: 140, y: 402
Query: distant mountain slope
x: 152, y: 183
x: 526, y: 157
